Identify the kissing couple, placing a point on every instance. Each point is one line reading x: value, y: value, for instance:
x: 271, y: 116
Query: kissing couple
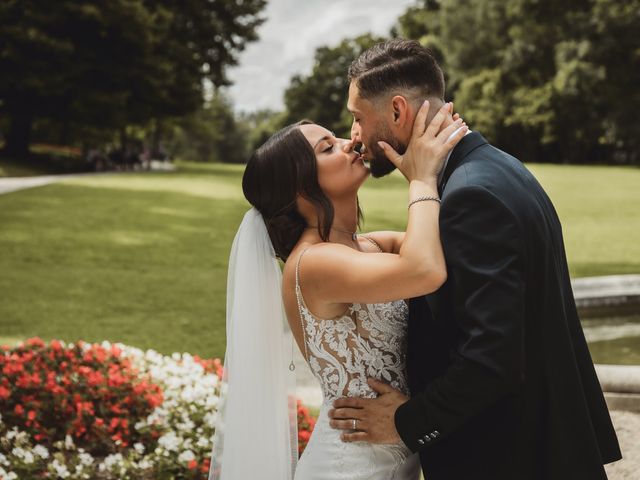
x: 454, y: 347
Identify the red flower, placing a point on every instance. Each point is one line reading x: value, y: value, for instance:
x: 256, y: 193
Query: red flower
x: 70, y: 385
x: 115, y: 351
x: 114, y: 423
x: 13, y: 368
x: 193, y: 464
x: 35, y: 342
x: 4, y: 393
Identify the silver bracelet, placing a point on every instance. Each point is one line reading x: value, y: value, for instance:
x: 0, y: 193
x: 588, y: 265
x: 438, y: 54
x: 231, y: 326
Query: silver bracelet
x: 425, y: 198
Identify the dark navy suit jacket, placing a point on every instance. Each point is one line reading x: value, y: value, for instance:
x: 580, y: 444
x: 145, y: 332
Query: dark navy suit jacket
x: 502, y: 382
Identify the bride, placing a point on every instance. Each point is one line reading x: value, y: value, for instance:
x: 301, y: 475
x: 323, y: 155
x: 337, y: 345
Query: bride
x: 340, y: 292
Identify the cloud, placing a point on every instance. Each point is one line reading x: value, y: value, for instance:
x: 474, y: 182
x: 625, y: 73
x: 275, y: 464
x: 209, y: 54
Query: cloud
x: 289, y: 38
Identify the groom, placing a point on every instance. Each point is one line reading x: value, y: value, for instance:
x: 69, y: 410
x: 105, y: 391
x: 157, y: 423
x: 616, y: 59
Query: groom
x: 502, y: 383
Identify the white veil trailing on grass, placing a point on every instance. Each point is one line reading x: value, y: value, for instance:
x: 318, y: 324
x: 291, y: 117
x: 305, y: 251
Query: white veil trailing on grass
x: 256, y: 428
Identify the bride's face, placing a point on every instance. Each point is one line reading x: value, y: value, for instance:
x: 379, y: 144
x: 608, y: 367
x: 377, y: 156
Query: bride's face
x: 341, y: 170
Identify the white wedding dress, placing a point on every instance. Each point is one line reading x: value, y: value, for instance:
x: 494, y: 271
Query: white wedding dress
x: 369, y: 340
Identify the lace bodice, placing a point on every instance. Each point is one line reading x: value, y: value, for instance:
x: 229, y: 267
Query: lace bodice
x: 368, y: 340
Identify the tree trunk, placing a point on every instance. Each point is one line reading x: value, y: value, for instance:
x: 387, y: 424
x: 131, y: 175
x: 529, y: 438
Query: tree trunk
x: 19, y: 135
x: 157, y: 135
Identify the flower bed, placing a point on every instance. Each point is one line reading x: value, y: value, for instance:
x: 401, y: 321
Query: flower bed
x: 108, y: 412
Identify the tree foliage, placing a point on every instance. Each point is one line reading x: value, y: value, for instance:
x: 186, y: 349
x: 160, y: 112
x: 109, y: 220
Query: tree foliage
x: 211, y: 134
x: 322, y: 95
x: 112, y: 64
x: 545, y: 80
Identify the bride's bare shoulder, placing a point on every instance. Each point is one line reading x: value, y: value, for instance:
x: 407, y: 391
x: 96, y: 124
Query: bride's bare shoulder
x: 313, y: 251
x: 316, y: 255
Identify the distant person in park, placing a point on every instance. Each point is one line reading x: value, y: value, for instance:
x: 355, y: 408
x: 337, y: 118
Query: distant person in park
x: 488, y: 376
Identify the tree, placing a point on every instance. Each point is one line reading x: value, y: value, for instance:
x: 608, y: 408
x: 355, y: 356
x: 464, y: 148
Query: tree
x: 110, y: 64
x: 616, y: 47
x: 260, y: 125
x: 545, y: 80
x: 211, y: 134
x: 322, y: 95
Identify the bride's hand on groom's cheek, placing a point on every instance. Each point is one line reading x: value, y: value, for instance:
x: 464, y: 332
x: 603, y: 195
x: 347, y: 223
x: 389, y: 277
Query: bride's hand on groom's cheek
x: 374, y: 417
x: 429, y: 144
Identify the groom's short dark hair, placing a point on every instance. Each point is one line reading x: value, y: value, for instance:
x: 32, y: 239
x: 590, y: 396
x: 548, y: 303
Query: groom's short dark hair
x: 397, y: 66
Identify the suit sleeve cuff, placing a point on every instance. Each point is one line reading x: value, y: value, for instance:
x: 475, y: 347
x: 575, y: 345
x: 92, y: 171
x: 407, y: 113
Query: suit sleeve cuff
x: 413, y: 427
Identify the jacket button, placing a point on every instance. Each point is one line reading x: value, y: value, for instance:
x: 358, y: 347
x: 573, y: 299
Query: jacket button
x: 436, y: 432
x: 433, y: 435
x: 427, y: 438
x: 420, y: 441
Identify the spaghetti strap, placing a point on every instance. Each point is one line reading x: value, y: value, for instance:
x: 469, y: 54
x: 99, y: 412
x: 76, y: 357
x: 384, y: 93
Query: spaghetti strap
x: 301, y: 305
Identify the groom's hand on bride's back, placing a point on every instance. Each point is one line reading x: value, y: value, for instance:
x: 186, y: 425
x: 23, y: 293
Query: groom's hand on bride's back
x: 429, y: 144
x: 374, y: 417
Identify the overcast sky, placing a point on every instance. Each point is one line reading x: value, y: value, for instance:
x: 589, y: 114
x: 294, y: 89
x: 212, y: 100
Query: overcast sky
x: 289, y: 37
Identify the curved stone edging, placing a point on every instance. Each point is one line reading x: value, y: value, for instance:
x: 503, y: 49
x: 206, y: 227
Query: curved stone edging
x: 621, y: 386
x: 610, y: 291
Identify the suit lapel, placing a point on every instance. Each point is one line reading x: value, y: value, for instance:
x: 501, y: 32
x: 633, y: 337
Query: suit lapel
x: 468, y: 144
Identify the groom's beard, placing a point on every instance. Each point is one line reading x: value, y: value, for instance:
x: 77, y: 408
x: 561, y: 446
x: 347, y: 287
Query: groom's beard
x: 379, y: 164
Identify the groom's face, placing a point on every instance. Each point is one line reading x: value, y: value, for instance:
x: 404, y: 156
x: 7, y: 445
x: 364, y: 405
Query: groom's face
x: 370, y: 125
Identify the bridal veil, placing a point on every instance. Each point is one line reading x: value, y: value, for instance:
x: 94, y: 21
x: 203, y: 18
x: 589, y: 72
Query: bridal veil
x: 256, y: 427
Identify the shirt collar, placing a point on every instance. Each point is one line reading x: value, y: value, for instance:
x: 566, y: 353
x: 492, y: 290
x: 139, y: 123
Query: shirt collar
x: 444, y: 165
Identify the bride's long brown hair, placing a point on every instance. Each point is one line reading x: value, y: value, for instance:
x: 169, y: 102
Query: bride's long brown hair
x: 277, y: 172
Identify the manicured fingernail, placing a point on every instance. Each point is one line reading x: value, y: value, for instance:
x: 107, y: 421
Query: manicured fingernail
x: 381, y: 145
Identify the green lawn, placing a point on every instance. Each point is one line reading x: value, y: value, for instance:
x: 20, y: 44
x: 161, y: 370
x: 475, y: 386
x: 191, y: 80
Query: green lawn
x: 141, y: 258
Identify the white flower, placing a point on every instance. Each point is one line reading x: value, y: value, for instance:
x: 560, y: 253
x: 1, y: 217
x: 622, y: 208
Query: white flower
x: 113, y: 460
x: 7, y: 475
x: 187, y: 426
x: 139, y: 448
x: 186, y: 456
x: 170, y: 441
x: 28, y: 458
x: 22, y: 454
x: 59, y: 469
x: 204, y: 442
x: 41, y: 451
x: 68, y: 442
x: 18, y: 452
x: 86, y: 459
